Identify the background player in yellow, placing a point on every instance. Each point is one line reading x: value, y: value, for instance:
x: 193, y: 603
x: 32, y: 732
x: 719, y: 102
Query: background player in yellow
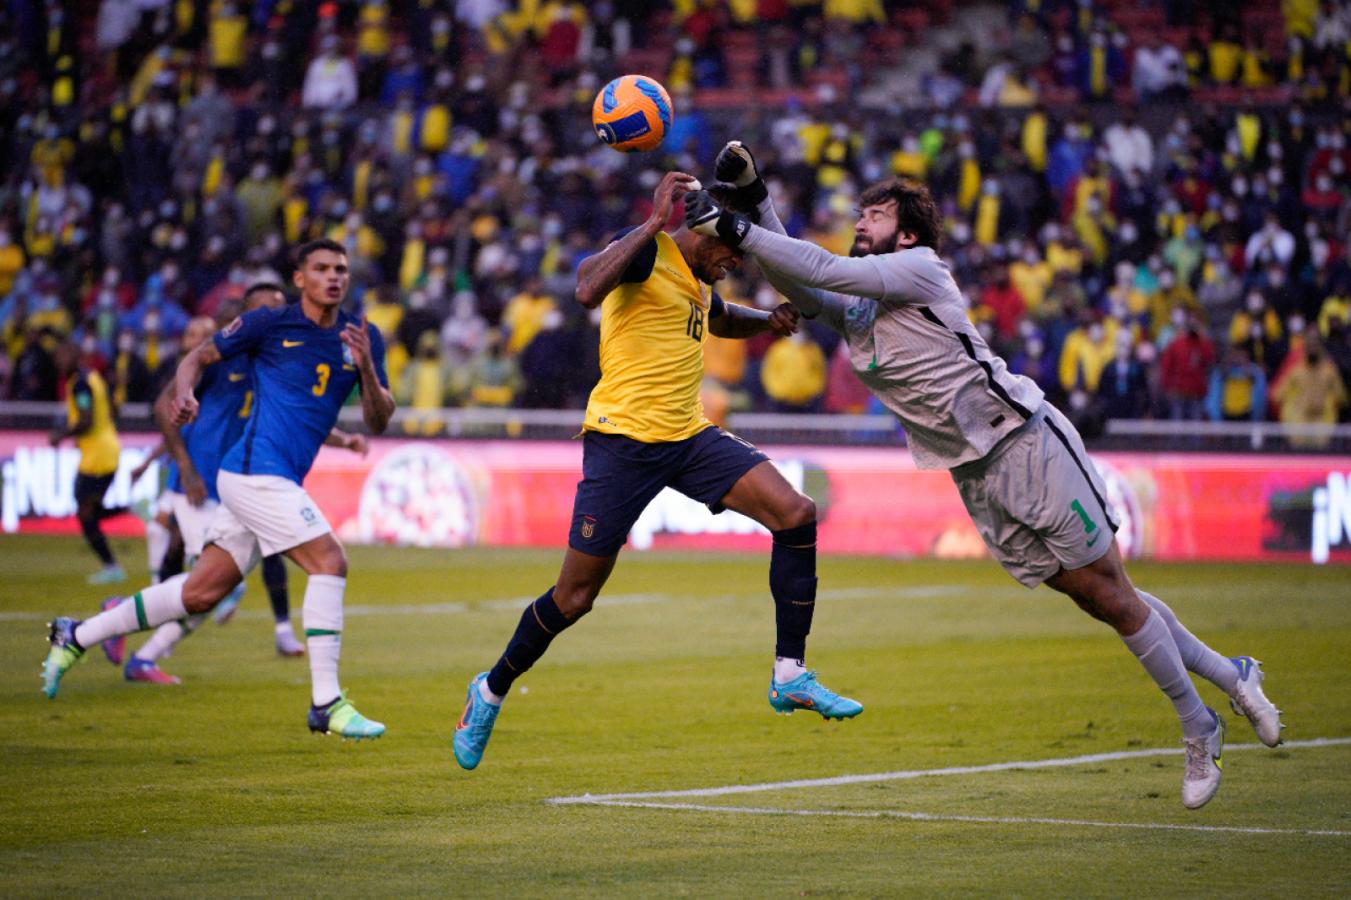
x: 645, y: 430
x: 89, y: 419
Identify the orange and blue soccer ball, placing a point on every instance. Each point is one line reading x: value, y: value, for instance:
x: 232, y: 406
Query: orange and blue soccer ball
x: 632, y: 113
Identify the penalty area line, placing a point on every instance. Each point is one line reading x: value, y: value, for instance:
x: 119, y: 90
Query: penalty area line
x: 979, y: 820
x: 597, y: 799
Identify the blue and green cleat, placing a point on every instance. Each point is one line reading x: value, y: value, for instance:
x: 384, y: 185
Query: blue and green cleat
x: 805, y: 692
x: 475, y: 726
x: 340, y: 717
x: 64, y: 654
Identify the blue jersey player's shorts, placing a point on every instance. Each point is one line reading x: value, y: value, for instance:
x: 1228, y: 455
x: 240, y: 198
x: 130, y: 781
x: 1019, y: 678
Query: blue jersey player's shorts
x: 620, y: 476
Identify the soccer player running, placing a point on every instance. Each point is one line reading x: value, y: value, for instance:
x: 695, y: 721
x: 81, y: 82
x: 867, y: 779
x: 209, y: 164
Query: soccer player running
x: 306, y: 358
x: 89, y: 419
x: 645, y: 430
x: 225, y: 400
x: 1019, y: 465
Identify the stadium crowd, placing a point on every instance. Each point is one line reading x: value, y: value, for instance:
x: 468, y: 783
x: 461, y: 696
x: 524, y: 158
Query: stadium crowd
x: 1148, y: 204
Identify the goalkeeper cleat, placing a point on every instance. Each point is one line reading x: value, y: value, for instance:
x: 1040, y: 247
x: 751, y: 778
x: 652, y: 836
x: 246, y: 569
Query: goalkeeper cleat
x: 475, y: 725
x: 1205, y: 765
x: 147, y: 671
x: 65, y: 652
x: 115, y: 648
x: 340, y: 717
x: 805, y: 692
x: 1249, y: 701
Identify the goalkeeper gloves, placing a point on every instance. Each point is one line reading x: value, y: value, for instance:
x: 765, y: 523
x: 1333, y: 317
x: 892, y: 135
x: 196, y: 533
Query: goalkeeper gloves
x: 703, y: 215
x: 735, y: 165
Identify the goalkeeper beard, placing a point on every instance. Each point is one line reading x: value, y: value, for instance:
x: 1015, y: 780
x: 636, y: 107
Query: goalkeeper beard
x: 865, y: 246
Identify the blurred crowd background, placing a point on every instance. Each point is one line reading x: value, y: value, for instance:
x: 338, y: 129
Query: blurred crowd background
x: 1147, y: 203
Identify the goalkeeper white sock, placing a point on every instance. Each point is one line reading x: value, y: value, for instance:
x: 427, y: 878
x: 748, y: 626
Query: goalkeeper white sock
x: 1153, y: 645
x: 152, y: 607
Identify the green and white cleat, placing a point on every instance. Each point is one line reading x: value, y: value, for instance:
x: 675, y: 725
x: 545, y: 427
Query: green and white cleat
x: 65, y: 653
x: 805, y: 692
x: 341, y: 718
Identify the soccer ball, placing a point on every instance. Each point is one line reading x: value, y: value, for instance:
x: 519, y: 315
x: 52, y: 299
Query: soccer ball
x: 632, y: 113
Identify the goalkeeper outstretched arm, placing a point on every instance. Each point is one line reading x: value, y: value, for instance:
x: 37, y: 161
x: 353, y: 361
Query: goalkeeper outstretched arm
x: 735, y: 165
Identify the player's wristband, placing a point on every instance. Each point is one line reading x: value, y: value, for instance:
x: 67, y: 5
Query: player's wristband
x: 752, y: 194
x: 733, y: 228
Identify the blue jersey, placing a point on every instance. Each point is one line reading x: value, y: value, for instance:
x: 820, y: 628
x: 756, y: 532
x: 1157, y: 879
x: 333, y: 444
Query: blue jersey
x: 302, y: 375
x: 225, y: 400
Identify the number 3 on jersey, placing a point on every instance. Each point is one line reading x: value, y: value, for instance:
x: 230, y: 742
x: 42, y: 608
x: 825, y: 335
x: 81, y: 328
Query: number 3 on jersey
x: 694, y: 326
x: 321, y: 372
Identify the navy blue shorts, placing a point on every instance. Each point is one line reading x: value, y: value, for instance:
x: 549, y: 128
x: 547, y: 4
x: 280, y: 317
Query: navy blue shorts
x: 620, y: 476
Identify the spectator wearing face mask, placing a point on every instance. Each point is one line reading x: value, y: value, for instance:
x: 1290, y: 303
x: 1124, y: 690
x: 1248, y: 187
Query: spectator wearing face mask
x: 1123, y: 388
x: 1185, y: 373
x: 1310, y: 392
x: 1257, y: 329
x: 1238, y: 389
x: 1086, y: 352
x: 1271, y: 243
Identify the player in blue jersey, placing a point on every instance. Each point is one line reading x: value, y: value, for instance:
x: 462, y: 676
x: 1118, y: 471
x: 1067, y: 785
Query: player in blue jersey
x: 307, y: 359
x: 225, y: 398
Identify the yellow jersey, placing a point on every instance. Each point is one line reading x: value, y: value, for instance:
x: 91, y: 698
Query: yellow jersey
x: 99, y: 447
x: 652, y: 331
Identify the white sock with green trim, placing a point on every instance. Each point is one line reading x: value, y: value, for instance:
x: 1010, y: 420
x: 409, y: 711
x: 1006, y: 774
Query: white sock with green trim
x: 322, y: 612
x: 150, y: 608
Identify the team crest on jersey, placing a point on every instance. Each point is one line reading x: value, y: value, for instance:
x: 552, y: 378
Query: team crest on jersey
x: 347, y: 359
x: 588, y: 527
x: 232, y: 327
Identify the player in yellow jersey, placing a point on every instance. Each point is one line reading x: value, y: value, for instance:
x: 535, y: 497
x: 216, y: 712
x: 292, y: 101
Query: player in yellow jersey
x: 89, y: 419
x: 645, y: 430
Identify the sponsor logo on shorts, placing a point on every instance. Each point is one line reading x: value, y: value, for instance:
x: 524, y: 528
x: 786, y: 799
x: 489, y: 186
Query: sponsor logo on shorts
x: 308, y: 515
x: 588, y: 527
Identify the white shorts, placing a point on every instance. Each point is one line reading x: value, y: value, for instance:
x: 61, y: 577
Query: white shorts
x: 193, y: 521
x: 260, y: 515
x: 164, y: 503
x: 1038, y: 501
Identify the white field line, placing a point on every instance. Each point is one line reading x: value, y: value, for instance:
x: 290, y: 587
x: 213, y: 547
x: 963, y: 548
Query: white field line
x: 983, y: 820
x: 919, y: 773
x: 455, y: 607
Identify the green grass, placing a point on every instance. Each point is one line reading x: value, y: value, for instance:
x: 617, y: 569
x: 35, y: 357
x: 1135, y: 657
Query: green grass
x: 217, y: 788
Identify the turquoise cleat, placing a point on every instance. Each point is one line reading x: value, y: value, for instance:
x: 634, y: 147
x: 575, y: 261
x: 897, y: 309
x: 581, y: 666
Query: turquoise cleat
x: 805, y: 692
x: 341, y: 718
x: 475, y: 726
x: 64, y: 654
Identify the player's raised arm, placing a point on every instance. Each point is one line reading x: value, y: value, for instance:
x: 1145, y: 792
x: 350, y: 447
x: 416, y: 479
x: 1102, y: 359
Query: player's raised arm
x: 599, y: 274
x: 184, y: 405
x: 172, y: 440
x: 368, y: 350
x: 736, y: 166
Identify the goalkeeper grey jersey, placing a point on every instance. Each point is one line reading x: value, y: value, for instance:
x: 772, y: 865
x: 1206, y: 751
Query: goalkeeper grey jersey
x: 909, y: 339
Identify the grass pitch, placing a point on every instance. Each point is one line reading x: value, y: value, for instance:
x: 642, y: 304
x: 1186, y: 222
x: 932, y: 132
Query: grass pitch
x: 217, y: 788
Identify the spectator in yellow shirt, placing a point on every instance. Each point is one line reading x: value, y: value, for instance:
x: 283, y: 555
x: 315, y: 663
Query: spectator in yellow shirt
x: 793, y: 374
